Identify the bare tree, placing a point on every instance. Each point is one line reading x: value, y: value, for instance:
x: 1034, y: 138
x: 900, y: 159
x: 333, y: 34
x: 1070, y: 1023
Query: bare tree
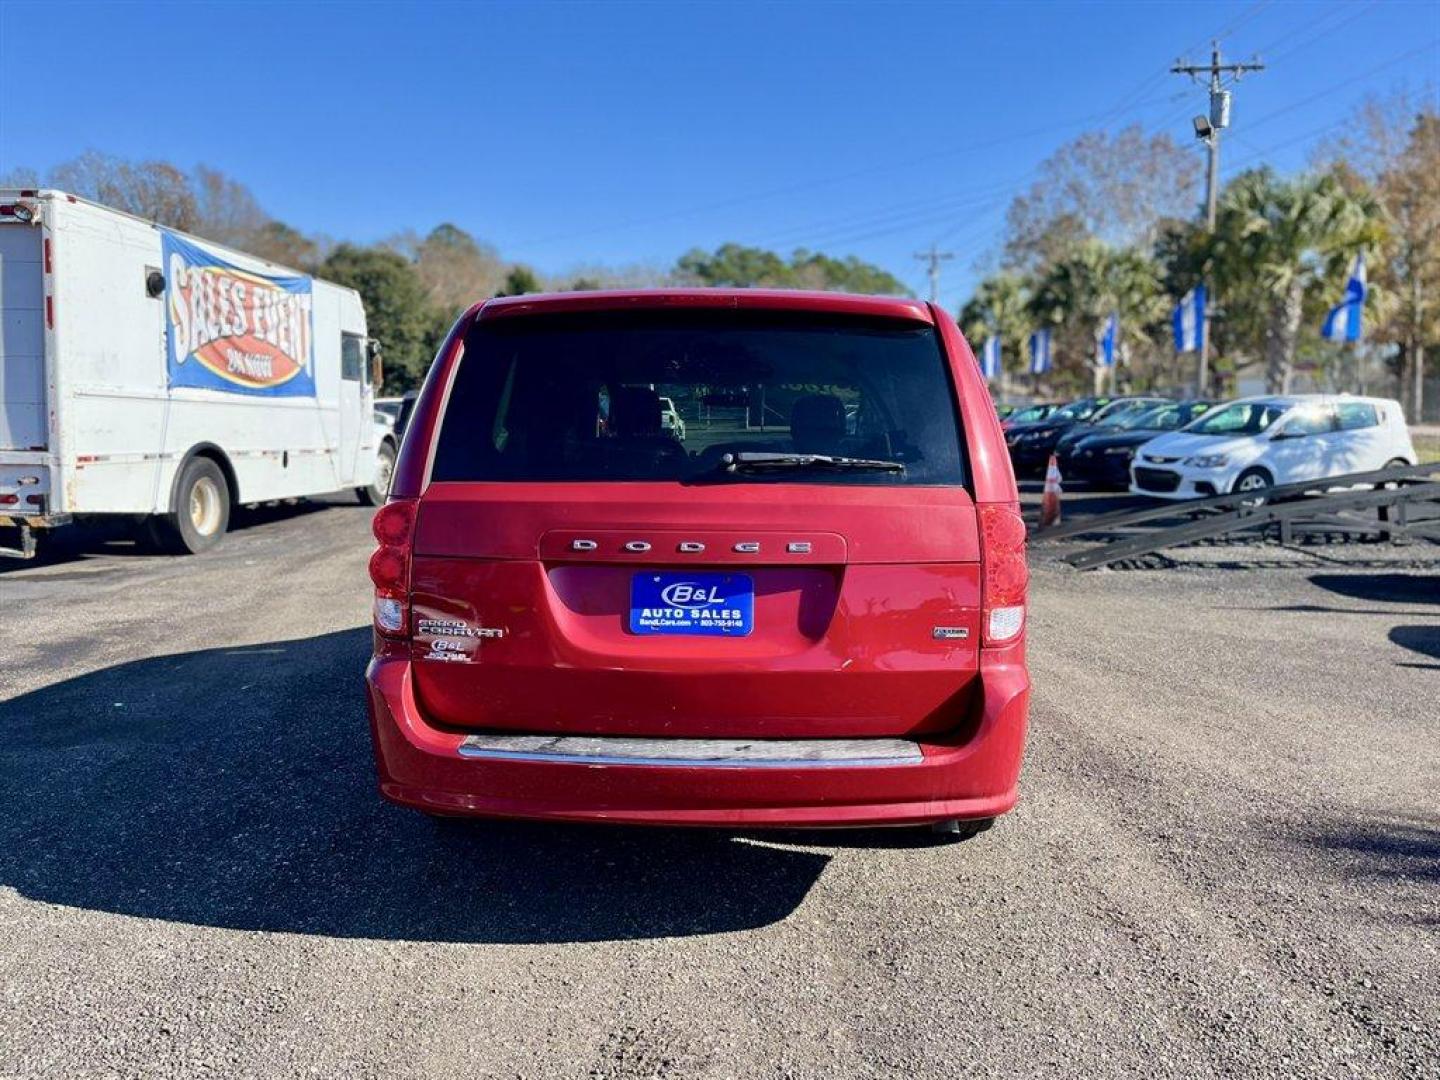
x: 20, y: 178
x: 226, y: 211
x: 597, y: 276
x: 455, y: 269
x: 1393, y: 145
x: 1115, y: 188
x: 281, y: 244
x: 156, y: 190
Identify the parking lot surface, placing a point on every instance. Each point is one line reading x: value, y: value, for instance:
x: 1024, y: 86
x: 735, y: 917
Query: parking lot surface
x: 1226, y: 859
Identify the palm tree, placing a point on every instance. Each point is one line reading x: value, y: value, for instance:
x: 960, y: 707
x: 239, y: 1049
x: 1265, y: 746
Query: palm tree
x: 1078, y: 292
x: 1001, y: 305
x: 1275, y: 239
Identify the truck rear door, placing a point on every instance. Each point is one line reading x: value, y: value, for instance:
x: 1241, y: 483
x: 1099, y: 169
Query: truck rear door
x: 22, y: 336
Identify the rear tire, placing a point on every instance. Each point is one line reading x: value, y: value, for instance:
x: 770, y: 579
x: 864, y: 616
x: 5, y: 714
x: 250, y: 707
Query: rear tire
x: 957, y: 830
x: 201, y: 513
x: 1393, y: 463
x: 378, y: 490
x: 1253, y: 483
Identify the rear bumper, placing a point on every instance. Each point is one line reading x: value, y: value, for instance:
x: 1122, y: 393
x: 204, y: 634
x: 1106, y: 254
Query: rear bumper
x: 423, y: 766
x: 27, y: 478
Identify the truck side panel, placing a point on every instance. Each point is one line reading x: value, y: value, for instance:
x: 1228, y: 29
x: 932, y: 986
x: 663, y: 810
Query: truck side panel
x: 126, y: 432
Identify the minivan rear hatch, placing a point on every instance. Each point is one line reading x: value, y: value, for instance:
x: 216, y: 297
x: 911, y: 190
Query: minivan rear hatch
x: 802, y: 563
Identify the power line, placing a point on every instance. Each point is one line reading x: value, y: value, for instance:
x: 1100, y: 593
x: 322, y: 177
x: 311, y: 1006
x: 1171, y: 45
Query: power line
x: 936, y: 219
x: 836, y: 178
x: 1332, y: 87
x: 1348, y: 12
x: 809, y: 185
x: 910, y: 221
x: 896, y: 212
x: 1240, y: 20
x: 1158, y: 76
x: 1351, y: 12
x: 1123, y: 105
x: 1154, y: 78
x: 1264, y: 152
x: 912, y: 214
x: 1322, y: 28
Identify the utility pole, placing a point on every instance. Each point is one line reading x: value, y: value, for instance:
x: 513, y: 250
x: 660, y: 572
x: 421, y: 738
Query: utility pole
x: 1417, y: 349
x: 1207, y: 130
x: 934, y: 257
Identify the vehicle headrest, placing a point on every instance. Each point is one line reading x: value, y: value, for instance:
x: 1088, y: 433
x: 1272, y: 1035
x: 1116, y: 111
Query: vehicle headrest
x: 546, y: 407
x: 635, y: 410
x: 817, y: 422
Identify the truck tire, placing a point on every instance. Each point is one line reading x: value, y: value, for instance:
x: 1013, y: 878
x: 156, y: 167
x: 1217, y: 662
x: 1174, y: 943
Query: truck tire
x: 375, y: 493
x: 201, y: 513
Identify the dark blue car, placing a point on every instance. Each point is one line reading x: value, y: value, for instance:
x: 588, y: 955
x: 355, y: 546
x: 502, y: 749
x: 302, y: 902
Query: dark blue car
x: 1103, y: 459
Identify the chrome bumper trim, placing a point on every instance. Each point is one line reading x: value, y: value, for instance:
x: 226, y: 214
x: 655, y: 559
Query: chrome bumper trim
x: 696, y: 753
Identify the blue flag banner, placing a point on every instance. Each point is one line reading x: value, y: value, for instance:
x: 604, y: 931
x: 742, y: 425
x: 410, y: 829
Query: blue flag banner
x: 1345, y: 322
x: 1040, y: 352
x: 235, y: 330
x: 1189, y: 320
x: 1107, y: 341
x: 990, y: 358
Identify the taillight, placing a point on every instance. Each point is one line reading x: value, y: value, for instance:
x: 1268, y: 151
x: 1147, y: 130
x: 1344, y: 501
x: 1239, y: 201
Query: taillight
x: 394, y: 525
x: 1002, y: 555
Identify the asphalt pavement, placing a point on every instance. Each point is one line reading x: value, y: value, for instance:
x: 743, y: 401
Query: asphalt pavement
x: 1226, y: 860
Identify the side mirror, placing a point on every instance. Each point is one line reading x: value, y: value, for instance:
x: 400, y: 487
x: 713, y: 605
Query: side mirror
x: 377, y: 371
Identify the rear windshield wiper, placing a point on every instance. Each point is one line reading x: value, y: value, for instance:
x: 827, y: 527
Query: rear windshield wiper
x: 755, y: 461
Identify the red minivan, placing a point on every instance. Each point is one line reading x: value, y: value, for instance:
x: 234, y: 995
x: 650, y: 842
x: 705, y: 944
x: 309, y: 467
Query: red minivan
x: 702, y: 557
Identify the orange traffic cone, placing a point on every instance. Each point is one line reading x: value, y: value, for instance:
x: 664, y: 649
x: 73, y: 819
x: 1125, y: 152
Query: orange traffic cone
x: 1050, y: 501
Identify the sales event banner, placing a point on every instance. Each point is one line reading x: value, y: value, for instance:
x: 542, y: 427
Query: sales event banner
x: 235, y: 330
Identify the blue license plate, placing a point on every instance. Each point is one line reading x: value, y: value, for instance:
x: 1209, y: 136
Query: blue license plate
x: 722, y: 605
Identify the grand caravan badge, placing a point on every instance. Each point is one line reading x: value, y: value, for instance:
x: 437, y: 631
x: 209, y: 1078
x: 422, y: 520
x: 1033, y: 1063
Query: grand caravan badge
x: 235, y: 330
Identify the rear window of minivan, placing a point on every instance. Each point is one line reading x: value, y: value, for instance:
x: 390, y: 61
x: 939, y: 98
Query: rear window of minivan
x: 574, y: 397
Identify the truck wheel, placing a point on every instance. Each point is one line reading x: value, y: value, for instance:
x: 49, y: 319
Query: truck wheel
x: 377, y: 490
x: 202, y: 510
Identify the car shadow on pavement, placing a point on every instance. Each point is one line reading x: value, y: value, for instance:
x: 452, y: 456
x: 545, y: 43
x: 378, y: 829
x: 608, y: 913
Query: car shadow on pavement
x: 1398, y: 848
x: 234, y: 787
x: 118, y: 536
x: 1424, y: 640
x: 1382, y: 588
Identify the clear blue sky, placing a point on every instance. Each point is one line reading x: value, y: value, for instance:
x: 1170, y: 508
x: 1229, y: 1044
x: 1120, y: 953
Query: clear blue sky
x: 573, y: 133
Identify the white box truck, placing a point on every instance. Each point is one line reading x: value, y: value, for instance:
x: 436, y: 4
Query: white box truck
x: 149, y: 373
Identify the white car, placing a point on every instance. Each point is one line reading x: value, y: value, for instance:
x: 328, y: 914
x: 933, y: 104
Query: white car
x: 390, y: 406
x: 1260, y: 442
x: 670, y: 419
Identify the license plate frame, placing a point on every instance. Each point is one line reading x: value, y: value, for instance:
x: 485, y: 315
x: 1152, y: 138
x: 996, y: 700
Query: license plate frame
x: 691, y: 603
